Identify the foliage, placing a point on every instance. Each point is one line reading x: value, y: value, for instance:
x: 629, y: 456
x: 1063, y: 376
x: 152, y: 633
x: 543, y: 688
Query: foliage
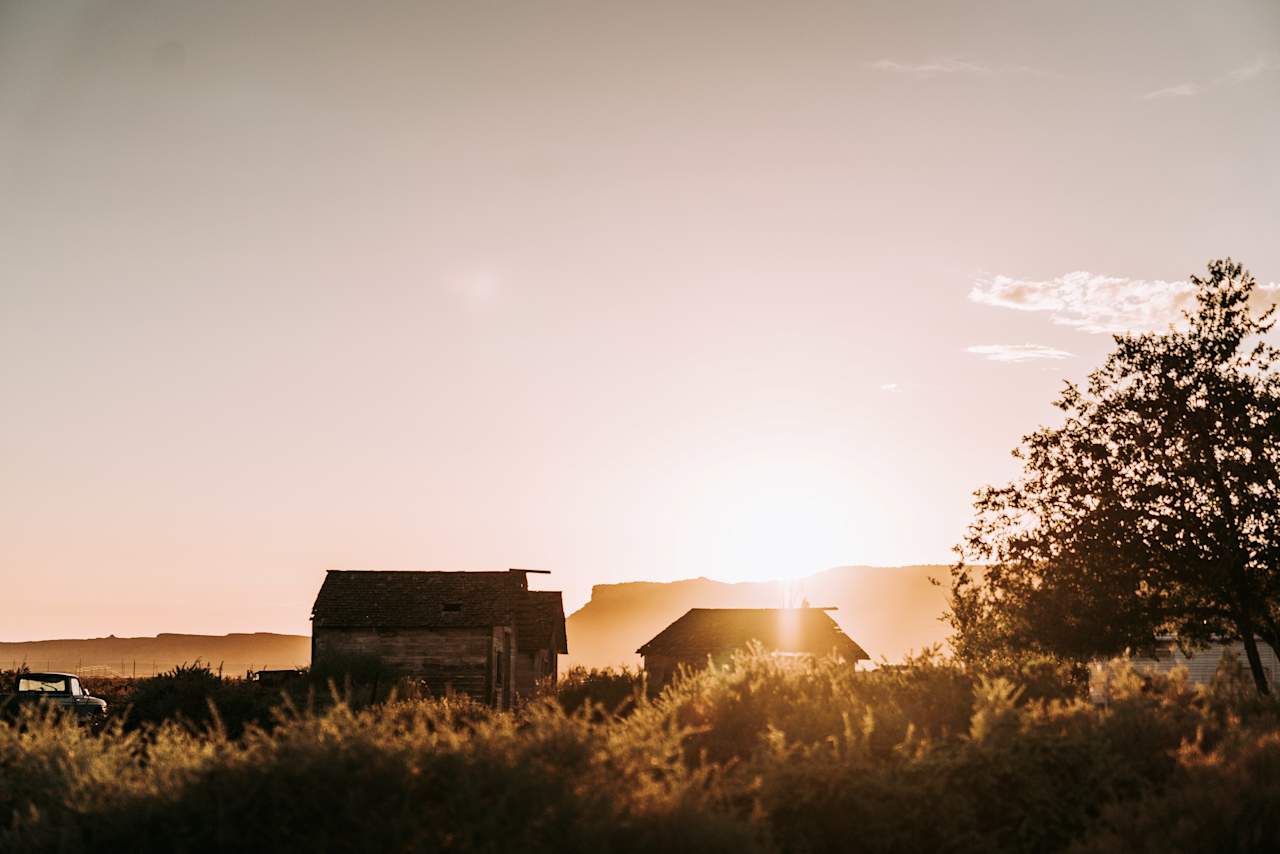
x: 1221, y: 800
x: 1154, y: 508
x: 192, y: 695
x: 759, y: 755
x: 608, y: 691
x: 116, y: 690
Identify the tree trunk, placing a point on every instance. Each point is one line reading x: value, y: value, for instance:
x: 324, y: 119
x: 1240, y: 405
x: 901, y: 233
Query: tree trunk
x: 1255, y: 660
x: 1271, y: 634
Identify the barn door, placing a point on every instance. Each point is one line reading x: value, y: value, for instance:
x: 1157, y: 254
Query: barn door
x: 508, y: 669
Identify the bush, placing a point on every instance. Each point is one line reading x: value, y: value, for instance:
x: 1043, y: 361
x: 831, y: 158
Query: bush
x: 758, y: 755
x: 1224, y: 800
x: 193, y: 696
x: 610, y: 691
x: 116, y: 690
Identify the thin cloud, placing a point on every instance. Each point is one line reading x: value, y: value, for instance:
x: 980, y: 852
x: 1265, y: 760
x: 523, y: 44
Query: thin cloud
x: 1182, y: 90
x: 1235, y: 76
x: 1017, y: 352
x: 952, y: 66
x: 890, y: 387
x: 928, y: 69
x: 1097, y: 303
x: 1244, y: 73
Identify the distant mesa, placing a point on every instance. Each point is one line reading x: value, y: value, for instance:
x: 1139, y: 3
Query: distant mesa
x: 890, y: 611
x: 143, y: 656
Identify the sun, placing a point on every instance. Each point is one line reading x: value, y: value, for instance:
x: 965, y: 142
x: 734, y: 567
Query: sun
x: 780, y: 516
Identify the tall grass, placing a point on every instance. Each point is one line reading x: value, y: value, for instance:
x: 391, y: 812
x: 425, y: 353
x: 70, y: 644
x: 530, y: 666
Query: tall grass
x: 759, y: 755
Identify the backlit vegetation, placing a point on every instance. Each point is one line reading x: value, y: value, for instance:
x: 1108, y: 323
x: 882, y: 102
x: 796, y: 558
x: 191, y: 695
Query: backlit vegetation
x: 759, y: 756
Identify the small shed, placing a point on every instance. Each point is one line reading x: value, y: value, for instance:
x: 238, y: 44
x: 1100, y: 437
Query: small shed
x: 715, y: 633
x: 484, y: 634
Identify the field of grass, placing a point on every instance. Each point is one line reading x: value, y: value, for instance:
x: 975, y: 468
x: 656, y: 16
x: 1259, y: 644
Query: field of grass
x: 760, y: 756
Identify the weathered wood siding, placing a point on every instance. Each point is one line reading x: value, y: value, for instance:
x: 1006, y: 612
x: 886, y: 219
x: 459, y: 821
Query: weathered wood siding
x: 503, y: 691
x: 661, y: 668
x: 532, y: 667
x: 526, y: 673
x: 468, y: 660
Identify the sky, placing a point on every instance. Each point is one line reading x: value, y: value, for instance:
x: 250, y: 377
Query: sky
x: 620, y: 290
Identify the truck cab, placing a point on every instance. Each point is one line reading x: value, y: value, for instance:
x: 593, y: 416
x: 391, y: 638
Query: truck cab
x: 62, y: 690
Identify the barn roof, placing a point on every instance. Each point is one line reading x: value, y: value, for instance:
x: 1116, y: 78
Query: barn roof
x: 540, y: 621
x: 398, y: 599
x: 711, y: 631
x: 405, y: 599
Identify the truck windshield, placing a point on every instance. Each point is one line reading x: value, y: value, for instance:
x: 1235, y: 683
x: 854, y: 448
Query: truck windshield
x: 44, y: 684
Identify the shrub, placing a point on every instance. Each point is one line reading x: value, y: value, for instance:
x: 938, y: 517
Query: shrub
x: 116, y: 690
x: 1224, y: 800
x: 612, y: 691
x: 758, y: 755
x: 193, y: 696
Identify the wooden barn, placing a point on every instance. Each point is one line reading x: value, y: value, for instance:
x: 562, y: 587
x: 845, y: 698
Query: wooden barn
x: 715, y: 633
x: 485, y: 634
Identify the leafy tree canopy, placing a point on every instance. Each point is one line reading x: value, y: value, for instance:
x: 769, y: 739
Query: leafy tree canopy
x: 1151, y: 510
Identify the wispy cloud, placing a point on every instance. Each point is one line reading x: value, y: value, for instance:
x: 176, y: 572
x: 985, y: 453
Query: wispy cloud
x: 1017, y: 352
x: 1097, y: 303
x: 951, y: 65
x: 1182, y: 90
x: 929, y: 69
x: 1243, y: 74
x: 890, y: 387
x: 1259, y: 66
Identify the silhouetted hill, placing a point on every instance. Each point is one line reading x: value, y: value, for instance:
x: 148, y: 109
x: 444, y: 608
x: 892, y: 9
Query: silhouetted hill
x: 235, y: 653
x: 888, y: 610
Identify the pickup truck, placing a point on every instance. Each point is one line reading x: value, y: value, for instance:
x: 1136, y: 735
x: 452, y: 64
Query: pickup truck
x: 62, y: 690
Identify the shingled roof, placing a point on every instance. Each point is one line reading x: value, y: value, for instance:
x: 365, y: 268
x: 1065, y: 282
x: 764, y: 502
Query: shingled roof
x: 540, y: 621
x: 377, y: 599
x: 713, y: 631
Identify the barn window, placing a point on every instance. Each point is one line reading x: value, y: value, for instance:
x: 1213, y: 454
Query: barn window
x: 452, y: 607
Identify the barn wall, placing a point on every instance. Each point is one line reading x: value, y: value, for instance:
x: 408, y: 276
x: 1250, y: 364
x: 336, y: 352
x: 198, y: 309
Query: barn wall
x: 462, y: 658
x: 663, y: 668
x: 526, y: 673
x: 503, y: 675
x: 660, y: 668
x: 532, y: 666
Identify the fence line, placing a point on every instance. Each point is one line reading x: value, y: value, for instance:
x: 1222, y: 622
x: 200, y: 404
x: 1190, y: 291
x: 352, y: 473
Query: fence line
x: 138, y: 668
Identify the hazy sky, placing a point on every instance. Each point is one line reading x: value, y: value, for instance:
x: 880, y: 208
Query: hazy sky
x: 622, y: 290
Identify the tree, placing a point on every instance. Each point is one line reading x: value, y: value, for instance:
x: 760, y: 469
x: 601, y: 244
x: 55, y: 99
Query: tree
x: 1152, y: 509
